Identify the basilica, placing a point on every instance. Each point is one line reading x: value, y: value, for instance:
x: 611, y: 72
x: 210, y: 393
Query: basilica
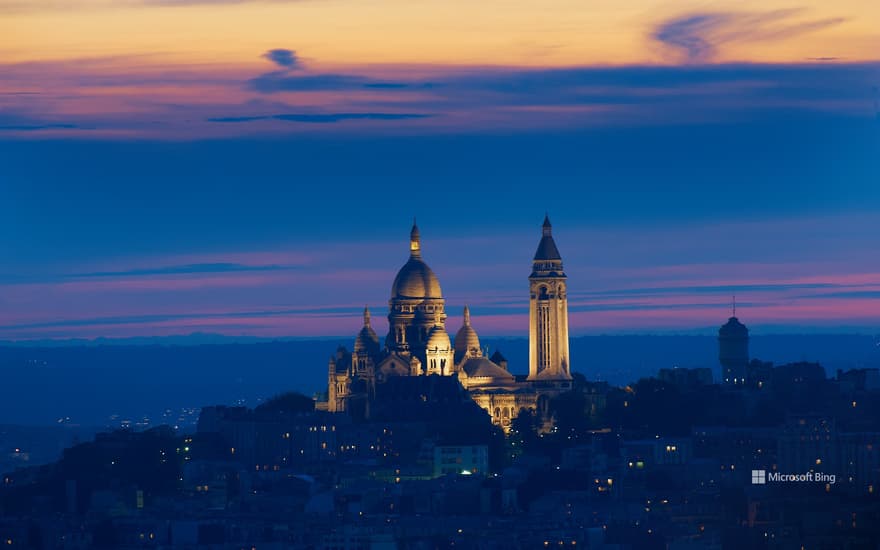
x: 418, y: 344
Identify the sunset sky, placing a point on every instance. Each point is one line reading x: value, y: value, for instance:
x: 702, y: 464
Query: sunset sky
x: 253, y: 167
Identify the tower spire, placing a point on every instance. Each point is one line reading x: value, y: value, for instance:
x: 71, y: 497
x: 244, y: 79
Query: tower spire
x: 415, y: 242
x: 547, y: 250
x: 734, y: 305
x: 366, y: 316
x: 467, y: 316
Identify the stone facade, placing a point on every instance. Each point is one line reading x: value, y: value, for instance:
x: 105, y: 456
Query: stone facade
x: 418, y: 344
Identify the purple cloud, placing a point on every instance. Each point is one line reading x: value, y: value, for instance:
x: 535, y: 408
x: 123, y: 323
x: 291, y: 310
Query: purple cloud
x: 283, y: 58
x: 699, y: 35
x: 322, y: 118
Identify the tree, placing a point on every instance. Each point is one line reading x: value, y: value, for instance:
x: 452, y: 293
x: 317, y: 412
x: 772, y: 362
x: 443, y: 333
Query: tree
x: 288, y: 402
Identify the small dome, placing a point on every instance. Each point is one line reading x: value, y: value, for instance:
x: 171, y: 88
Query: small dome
x: 466, y: 339
x: 366, y: 340
x: 482, y: 367
x: 438, y: 338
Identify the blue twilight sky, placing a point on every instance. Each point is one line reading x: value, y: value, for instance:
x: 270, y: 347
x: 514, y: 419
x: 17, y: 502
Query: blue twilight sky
x: 290, y: 236
x: 237, y: 177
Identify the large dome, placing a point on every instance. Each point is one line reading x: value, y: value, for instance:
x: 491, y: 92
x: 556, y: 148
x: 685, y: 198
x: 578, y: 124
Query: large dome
x: 416, y: 280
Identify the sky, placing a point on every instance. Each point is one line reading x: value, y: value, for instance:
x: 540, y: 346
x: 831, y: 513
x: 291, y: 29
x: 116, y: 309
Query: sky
x: 250, y: 167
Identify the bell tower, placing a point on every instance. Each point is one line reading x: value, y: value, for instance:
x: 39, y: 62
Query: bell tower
x: 548, y: 313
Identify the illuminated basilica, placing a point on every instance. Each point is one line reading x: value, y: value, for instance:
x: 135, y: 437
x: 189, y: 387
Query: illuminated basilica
x: 418, y: 344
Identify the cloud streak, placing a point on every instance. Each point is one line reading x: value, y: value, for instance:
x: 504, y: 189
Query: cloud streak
x: 698, y: 36
x: 36, y: 127
x: 12, y: 122
x: 283, y: 81
x: 323, y: 118
x: 224, y: 267
x: 258, y: 295
x: 107, y: 97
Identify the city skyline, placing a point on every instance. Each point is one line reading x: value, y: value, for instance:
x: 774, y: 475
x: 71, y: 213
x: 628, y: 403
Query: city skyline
x: 419, y: 274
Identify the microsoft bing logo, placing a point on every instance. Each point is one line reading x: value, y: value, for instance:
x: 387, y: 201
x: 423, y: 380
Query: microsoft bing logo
x: 759, y: 477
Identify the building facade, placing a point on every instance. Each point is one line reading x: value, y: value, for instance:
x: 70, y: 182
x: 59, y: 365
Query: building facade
x: 418, y: 343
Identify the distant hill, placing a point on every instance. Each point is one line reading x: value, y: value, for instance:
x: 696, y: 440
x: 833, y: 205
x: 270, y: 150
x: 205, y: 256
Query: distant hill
x: 89, y: 381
